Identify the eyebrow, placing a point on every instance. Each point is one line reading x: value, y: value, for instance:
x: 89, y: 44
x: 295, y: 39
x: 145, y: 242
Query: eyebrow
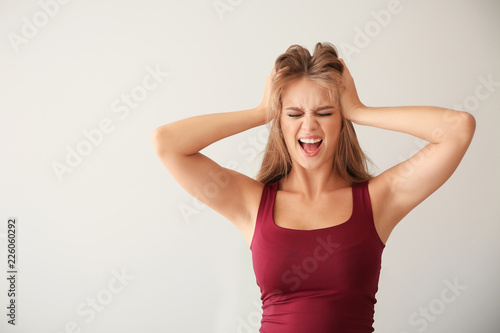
x: 294, y: 108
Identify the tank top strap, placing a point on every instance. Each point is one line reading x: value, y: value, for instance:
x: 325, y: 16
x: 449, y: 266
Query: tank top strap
x: 361, y: 201
x: 266, y: 201
x: 265, y: 212
x: 363, y: 208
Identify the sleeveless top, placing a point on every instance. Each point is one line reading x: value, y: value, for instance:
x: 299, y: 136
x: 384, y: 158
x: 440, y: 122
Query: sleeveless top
x: 322, y: 280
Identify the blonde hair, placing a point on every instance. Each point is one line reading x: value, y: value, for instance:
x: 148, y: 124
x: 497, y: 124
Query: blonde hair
x: 325, y: 69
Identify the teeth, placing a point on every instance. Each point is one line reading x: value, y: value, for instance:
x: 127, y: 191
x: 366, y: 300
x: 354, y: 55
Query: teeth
x: 310, y: 140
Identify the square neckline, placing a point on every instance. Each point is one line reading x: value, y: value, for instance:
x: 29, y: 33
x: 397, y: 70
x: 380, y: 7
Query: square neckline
x: 274, y: 188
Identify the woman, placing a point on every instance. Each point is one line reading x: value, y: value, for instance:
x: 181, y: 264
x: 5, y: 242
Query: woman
x: 315, y: 219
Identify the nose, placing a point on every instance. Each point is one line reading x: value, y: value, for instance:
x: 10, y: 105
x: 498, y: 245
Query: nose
x: 309, y: 123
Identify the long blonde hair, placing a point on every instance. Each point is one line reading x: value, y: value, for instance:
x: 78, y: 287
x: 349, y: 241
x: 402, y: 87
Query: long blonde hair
x: 325, y: 69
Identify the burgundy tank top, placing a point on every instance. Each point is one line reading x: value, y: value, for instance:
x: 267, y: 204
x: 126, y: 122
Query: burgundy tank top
x: 322, y: 280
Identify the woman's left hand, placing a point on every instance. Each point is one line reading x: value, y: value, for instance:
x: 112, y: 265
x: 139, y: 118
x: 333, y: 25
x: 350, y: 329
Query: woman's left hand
x: 349, y: 100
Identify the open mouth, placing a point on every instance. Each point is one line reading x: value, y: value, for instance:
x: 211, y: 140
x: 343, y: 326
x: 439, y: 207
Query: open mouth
x: 310, y: 148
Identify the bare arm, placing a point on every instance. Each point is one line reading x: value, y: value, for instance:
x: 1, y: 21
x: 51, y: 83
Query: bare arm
x: 399, y: 189
x: 189, y: 136
x: 230, y: 193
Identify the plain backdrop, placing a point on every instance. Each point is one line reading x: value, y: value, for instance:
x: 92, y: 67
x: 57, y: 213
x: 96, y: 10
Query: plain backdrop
x: 109, y: 242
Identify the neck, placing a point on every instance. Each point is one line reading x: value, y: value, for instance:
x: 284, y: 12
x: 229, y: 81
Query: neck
x: 313, y: 183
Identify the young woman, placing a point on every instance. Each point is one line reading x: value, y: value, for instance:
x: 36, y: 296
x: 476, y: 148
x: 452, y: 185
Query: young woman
x: 315, y: 219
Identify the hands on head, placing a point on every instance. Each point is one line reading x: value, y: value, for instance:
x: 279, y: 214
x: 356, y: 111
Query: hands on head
x: 349, y: 99
x: 267, y: 93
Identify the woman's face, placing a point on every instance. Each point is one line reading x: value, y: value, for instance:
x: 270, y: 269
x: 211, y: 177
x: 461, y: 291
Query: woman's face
x: 308, y: 113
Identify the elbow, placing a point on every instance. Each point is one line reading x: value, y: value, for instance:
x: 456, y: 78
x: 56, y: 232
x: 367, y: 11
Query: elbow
x: 465, y: 127
x: 159, y: 138
x: 468, y: 125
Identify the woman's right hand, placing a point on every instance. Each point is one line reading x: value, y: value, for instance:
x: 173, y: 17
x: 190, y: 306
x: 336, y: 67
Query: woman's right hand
x: 349, y: 100
x: 267, y: 93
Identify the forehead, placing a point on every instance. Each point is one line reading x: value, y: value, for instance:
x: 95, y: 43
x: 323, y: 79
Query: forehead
x: 305, y: 92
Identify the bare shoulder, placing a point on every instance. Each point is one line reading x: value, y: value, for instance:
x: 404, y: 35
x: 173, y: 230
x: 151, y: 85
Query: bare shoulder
x: 249, y: 192
x: 378, y: 187
x: 379, y: 190
x: 385, y: 200
x: 230, y: 193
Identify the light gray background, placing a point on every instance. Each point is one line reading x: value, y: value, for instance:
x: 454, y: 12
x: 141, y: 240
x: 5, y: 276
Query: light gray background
x: 189, y: 269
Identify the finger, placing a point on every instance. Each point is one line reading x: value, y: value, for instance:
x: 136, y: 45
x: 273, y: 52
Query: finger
x: 346, y: 70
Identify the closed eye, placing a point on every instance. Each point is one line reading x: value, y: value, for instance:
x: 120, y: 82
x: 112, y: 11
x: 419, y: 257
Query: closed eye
x: 319, y: 114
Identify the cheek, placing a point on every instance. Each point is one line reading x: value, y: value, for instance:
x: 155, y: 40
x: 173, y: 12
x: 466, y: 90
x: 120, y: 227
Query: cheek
x: 290, y: 130
x: 289, y: 137
x: 334, y: 126
x: 332, y: 130
x: 287, y: 130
